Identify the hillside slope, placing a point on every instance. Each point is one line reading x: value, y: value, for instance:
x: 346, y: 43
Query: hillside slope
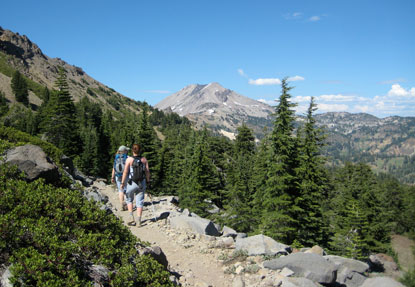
x: 19, y: 53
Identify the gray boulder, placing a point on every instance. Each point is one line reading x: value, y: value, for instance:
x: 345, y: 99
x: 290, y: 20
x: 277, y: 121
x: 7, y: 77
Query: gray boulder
x: 157, y: 253
x: 349, y: 271
x: 99, y: 275
x: 33, y: 161
x: 383, y: 263
x: 261, y: 245
x: 381, y: 282
x: 300, y: 282
x: 196, y: 224
x: 229, y: 232
x: 5, y: 278
x: 308, y: 265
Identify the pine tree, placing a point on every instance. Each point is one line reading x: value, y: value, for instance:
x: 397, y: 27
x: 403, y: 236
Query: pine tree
x: 60, y: 125
x: 148, y: 141
x: 312, y: 183
x: 19, y: 87
x: 200, y: 179
x: 280, y: 209
x: 240, y: 186
x: 4, y: 108
x: 356, y: 198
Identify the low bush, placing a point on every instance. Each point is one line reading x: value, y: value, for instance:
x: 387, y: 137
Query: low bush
x: 51, y: 236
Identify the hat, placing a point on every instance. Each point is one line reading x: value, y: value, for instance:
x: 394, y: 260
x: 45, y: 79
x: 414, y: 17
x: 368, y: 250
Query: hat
x: 123, y: 148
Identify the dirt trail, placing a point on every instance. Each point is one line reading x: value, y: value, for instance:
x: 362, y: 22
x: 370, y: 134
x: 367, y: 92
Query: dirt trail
x: 186, y: 253
x: 404, y: 247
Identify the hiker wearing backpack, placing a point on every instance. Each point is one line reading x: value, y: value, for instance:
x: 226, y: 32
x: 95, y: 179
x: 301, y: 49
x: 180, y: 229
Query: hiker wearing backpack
x: 117, y: 172
x: 136, y: 177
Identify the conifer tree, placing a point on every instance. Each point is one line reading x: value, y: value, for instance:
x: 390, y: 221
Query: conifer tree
x: 60, y: 125
x: 200, y: 180
x: 240, y: 185
x: 280, y: 205
x: 357, y: 189
x: 19, y: 87
x: 4, y: 108
x: 148, y: 141
x: 312, y: 183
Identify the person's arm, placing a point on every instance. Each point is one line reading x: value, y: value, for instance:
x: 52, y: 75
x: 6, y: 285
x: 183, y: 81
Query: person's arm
x: 147, y: 171
x: 125, y: 173
x: 113, y: 175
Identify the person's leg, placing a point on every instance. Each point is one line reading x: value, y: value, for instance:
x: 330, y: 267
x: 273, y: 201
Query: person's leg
x: 121, y: 194
x: 139, y: 201
x: 130, y: 198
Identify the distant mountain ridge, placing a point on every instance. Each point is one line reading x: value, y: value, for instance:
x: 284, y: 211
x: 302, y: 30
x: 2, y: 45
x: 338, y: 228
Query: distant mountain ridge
x: 387, y: 144
x: 221, y: 109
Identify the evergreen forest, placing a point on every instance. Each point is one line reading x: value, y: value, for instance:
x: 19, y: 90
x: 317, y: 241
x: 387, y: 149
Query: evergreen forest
x: 280, y: 186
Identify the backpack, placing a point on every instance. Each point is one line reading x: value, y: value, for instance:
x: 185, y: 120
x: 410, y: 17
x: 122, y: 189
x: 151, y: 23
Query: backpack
x: 138, y: 170
x: 119, y: 164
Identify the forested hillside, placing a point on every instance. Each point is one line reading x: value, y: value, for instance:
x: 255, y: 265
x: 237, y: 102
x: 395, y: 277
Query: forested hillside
x: 280, y: 187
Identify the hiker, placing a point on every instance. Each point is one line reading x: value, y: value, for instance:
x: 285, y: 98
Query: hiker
x: 117, y: 172
x: 136, y: 177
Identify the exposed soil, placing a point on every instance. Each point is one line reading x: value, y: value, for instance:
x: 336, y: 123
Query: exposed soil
x: 404, y: 247
x: 197, y: 264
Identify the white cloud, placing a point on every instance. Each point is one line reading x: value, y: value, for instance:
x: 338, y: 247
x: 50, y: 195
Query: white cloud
x: 242, y: 73
x: 295, y: 78
x: 267, y: 81
x: 362, y: 108
x: 332, y: 107
x: 314, y: 18
x: 338, y: 98
x: 398, y: 91
x: 157, y: 91
x: 292, y: 16
x: 302, y: 99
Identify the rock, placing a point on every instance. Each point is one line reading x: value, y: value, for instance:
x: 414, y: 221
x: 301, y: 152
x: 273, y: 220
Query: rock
x: 174, y: 200
x: 86, y: 181
x: 316, y: 250
x: 226, y: 242
x: 5, y: 278
x: 308, y: 265
x: 157, y: 253
x: 349, y: 271
x: 286, y: 272
x: 67, y: 164
x: 33, y: 161
x: 227, y: 231
x: 381, y: 282
x: 94, y: 194
x: 241, y: 235
x: 261, y: 245
x: 99, y: 274
x: 239, y: 269
x: 238, y: 282
x: 196, y: 224
x: 383, y: 263
x: 300, y: 282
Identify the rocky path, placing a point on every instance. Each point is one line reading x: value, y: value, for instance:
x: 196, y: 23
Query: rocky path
x: 188, y: 254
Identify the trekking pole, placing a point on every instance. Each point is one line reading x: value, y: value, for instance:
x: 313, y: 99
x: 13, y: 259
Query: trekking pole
x: 152, y: 205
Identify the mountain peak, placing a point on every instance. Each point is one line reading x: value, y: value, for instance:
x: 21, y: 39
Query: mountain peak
x: 216, y: 106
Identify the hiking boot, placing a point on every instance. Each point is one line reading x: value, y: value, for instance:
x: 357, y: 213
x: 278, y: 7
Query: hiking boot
x: 132, y: 223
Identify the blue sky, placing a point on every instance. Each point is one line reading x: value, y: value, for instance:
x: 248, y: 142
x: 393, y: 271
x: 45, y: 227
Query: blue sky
x: 354, y: 56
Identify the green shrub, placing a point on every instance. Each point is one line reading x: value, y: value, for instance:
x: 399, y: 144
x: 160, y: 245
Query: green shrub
x: 50, y: 235
x: 408, y: 278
